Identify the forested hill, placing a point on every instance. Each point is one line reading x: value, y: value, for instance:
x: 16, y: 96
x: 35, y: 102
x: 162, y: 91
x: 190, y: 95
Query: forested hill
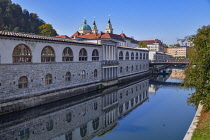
x: 14, y: 18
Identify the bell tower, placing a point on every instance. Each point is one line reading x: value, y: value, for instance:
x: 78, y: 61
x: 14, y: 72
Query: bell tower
x: 109, y: 28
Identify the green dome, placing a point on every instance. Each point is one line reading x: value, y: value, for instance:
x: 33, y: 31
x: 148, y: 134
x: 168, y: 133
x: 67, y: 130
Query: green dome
x: 85, y: 26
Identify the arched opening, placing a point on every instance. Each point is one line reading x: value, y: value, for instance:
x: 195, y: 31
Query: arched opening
x: 132, y: 56
x: 121, y: 55
x: 140, y: 56
x: 67, y: 54
x: 23, y: 82
x: 95, y: 73
x: 68, y: 76
x: 95, y: 123
x: 48, y: 79
x: 48, y: 54
x: 127, y: 56
x: 137, y: 56
x: 95, y: 55
x: 83, y: 130
x: 21, y: 54
x: 83, y: 74
x: 83, y: 55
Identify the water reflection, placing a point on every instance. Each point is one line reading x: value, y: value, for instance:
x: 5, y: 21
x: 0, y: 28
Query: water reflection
x: 81, y: 117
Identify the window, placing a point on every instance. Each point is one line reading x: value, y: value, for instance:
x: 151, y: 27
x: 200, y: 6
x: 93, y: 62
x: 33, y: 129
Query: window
x: 132, y: 56
x: 121, y: 69
x: 95, y: 73
x: 95, y: 55
x: 147, y: 56
x: 21, y: 54
x: 67, y: 54
x: 137, y: 56
x: 48, y: 54
x: 48, y: 79
x: 132, y: 68
x: 143, y: 55
x: 23, y: 82
x: 136, y: 67
x: 24, y: 134
x: 132, y: 102
x: 83, y: 130
x: 95, y: 123
x: 121, y: 55
x: 127, y: 56
x: 127, y: 69
x: 83, y: 55
x: 68, y: 117
x: 68, y: 76
x: 126, y: 105
x: 83, y: 74
x: 120, y: 109
x: 95, y: 106
x: 49, y: 125
x: 136, y: 99
x: 140, y: 56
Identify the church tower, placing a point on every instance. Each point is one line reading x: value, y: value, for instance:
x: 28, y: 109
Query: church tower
x: 94, y: 27
x: 109, y: 28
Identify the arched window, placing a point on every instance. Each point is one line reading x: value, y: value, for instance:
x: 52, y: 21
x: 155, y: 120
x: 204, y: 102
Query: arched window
x: 132, y: 102
x: 132, y: 56
x: 127, y: 56
x: 83, y: 55
x: 140, y: 56
x: 132, y: 68
x: 126, y: 105
x: 95, y: 73
x: 21, y: 54
x: 127, y: 69
x: 136, y: 99
x: 48, y: 79
x: 95, y: 55
x: 121, y: 55
x: 83, y: 74
x: 136, y: 67
x: 67, y: 54
x: 48, y: 54
x: 24, y: 134
x: 23, y: 82
x: 83, y: 130
x: 120, y: 109
x: 68, y: 76
x: 121, y: 69
x: 68, y: 117
x: 49, y: 125
x: 95, y: 123
x: 143, y: 55
x: 137, y: 56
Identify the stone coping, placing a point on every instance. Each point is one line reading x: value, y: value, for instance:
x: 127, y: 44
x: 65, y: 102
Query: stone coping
x: 194, y: 123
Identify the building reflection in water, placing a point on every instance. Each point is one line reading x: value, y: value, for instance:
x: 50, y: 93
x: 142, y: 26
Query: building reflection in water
x: 82, y: 117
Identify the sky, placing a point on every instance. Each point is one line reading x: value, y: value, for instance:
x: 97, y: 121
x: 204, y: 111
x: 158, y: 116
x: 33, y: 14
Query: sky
x: 167, y: 20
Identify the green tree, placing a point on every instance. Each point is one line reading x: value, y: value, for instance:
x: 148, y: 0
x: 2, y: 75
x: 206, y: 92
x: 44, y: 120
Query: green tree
x: 142, y: 44
x: 165, y: 46
x: 198, y: 70
x: 47, y: 29
x: 177, y: 45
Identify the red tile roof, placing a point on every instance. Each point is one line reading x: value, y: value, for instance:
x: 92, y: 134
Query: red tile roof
x: 121, y: 37
x: 148, y: 41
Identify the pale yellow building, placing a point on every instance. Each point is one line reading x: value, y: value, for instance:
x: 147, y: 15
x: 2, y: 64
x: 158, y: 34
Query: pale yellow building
x: 178, y: 51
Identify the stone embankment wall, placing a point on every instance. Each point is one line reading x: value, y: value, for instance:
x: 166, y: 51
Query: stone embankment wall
x: 177, y: 74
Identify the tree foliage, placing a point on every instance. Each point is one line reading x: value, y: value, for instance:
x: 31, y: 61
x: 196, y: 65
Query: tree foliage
x: 198, y: 70
x: 13, y: 18
x: 142, y: 44
x: 47, y: 29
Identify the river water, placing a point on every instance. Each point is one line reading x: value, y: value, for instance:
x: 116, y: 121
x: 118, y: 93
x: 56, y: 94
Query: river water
x: 148, y: 109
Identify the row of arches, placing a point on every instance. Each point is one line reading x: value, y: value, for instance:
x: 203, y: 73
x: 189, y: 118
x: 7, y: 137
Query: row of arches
x: 22, y: 54
x: 136, y: 57
x: 23, y: 80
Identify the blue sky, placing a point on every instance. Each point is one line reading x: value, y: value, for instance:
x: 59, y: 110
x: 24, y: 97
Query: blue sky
x: 166, y: 20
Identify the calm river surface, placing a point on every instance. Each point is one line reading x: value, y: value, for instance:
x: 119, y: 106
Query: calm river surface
x: 134, y: 111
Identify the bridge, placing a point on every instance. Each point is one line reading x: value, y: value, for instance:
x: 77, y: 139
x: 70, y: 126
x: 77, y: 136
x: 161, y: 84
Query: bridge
x: 169, y: 62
